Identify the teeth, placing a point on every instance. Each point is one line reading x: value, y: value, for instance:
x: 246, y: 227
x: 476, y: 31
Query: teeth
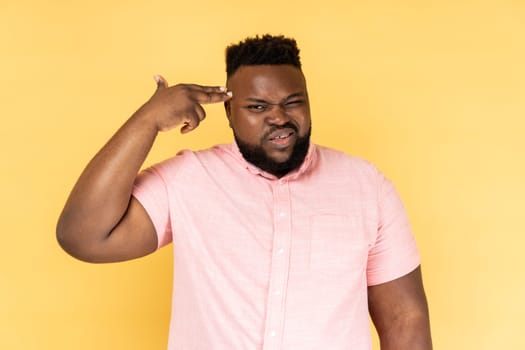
x: 281, y: 137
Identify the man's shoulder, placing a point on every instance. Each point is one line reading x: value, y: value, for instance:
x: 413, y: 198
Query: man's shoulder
x: 338, y: 158
x: 218, y: 150
x: 188, y: 157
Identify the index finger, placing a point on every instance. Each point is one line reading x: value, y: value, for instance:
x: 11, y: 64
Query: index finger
x: 212, y: 94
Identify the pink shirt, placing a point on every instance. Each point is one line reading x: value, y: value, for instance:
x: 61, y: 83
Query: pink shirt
x: 267, y: 263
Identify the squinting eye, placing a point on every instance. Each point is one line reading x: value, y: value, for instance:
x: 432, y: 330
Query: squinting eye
x: 293, y: 104
x: 257, y: 108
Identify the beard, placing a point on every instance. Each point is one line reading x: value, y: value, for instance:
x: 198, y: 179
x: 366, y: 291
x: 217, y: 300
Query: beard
x: 256, y: 155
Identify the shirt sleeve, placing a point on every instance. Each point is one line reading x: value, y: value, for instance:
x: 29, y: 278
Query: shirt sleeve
x: 394, y: 253
x: 151, y: 190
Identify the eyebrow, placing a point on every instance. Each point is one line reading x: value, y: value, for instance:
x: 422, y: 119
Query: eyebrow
x: 259, y: 100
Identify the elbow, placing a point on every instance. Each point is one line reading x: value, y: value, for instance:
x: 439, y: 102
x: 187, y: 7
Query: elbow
x: 65, y: 235
x: 72, y: 242
x: 66, y: 240
x: 62, y: 234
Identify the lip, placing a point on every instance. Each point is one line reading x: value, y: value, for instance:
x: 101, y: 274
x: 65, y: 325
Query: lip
x: 282, y: 138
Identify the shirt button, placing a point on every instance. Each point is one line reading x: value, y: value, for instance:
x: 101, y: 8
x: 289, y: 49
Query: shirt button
x: 282, y: 214
x: 277, y: 292
x: 273, y: 333
x: 280, y: 251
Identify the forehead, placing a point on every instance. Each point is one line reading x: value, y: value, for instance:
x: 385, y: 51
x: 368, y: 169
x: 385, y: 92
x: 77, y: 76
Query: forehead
x: 267, y: 81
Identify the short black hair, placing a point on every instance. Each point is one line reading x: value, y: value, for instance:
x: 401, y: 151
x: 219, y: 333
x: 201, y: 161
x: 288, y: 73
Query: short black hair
x: 267, y: 49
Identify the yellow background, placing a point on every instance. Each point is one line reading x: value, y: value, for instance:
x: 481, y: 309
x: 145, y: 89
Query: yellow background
x: 432, y: 92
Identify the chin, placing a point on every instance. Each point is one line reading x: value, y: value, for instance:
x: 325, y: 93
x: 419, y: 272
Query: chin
x: 279, y: 158
x: 277, y: 162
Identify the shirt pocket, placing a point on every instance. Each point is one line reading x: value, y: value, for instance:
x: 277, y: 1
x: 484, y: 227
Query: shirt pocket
x: 338, y: 246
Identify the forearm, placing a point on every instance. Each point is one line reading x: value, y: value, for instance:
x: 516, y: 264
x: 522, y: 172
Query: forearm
x: 100, y: 222
x: 406, y: 333
x: 102, y: 193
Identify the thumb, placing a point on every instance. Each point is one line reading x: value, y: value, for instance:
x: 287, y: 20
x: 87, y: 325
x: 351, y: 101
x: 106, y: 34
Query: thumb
x: 161, y: 82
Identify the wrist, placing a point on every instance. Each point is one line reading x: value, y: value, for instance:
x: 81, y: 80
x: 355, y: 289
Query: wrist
x: 146, y: 117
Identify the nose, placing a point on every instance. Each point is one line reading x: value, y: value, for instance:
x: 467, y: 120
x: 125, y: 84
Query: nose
x: 277, y: 115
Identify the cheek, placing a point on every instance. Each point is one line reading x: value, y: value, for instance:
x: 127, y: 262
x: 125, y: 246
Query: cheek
x: 307, y: 123
x: 304, y: 122
x: 247, y: 126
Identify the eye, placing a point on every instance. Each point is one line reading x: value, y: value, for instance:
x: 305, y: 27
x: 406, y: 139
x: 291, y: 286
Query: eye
x: 257, y: 108
x: 294, y: 104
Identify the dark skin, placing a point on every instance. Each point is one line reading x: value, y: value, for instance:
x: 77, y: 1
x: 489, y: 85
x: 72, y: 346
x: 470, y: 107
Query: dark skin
x: 399, y: 311
x: 101, y: 222
x: 266, y: 97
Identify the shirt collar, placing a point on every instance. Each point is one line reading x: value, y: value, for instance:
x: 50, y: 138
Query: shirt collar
x: 308, y: 162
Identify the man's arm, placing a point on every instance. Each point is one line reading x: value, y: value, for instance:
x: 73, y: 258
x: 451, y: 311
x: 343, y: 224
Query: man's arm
x: 101, y: 221
x: 399, y: 311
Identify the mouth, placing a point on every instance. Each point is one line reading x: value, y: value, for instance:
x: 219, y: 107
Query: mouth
x: 282, y: 137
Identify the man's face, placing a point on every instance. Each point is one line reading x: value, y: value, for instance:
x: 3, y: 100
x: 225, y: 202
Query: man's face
x: 270, y: 116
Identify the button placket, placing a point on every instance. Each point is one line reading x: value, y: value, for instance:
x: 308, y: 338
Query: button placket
x: 279, y: 267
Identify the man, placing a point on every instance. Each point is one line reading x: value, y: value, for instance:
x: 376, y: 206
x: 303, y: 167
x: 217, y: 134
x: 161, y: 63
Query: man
x: 278, y: 243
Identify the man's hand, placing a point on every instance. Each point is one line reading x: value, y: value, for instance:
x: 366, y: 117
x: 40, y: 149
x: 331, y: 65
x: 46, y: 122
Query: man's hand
x: 101, y: 221
x: 181, y: 104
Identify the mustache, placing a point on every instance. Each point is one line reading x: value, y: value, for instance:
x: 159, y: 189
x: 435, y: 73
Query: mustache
x: 286, y: 125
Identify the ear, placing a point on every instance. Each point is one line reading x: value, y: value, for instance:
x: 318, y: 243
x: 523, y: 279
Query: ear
x: 227, y: 108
